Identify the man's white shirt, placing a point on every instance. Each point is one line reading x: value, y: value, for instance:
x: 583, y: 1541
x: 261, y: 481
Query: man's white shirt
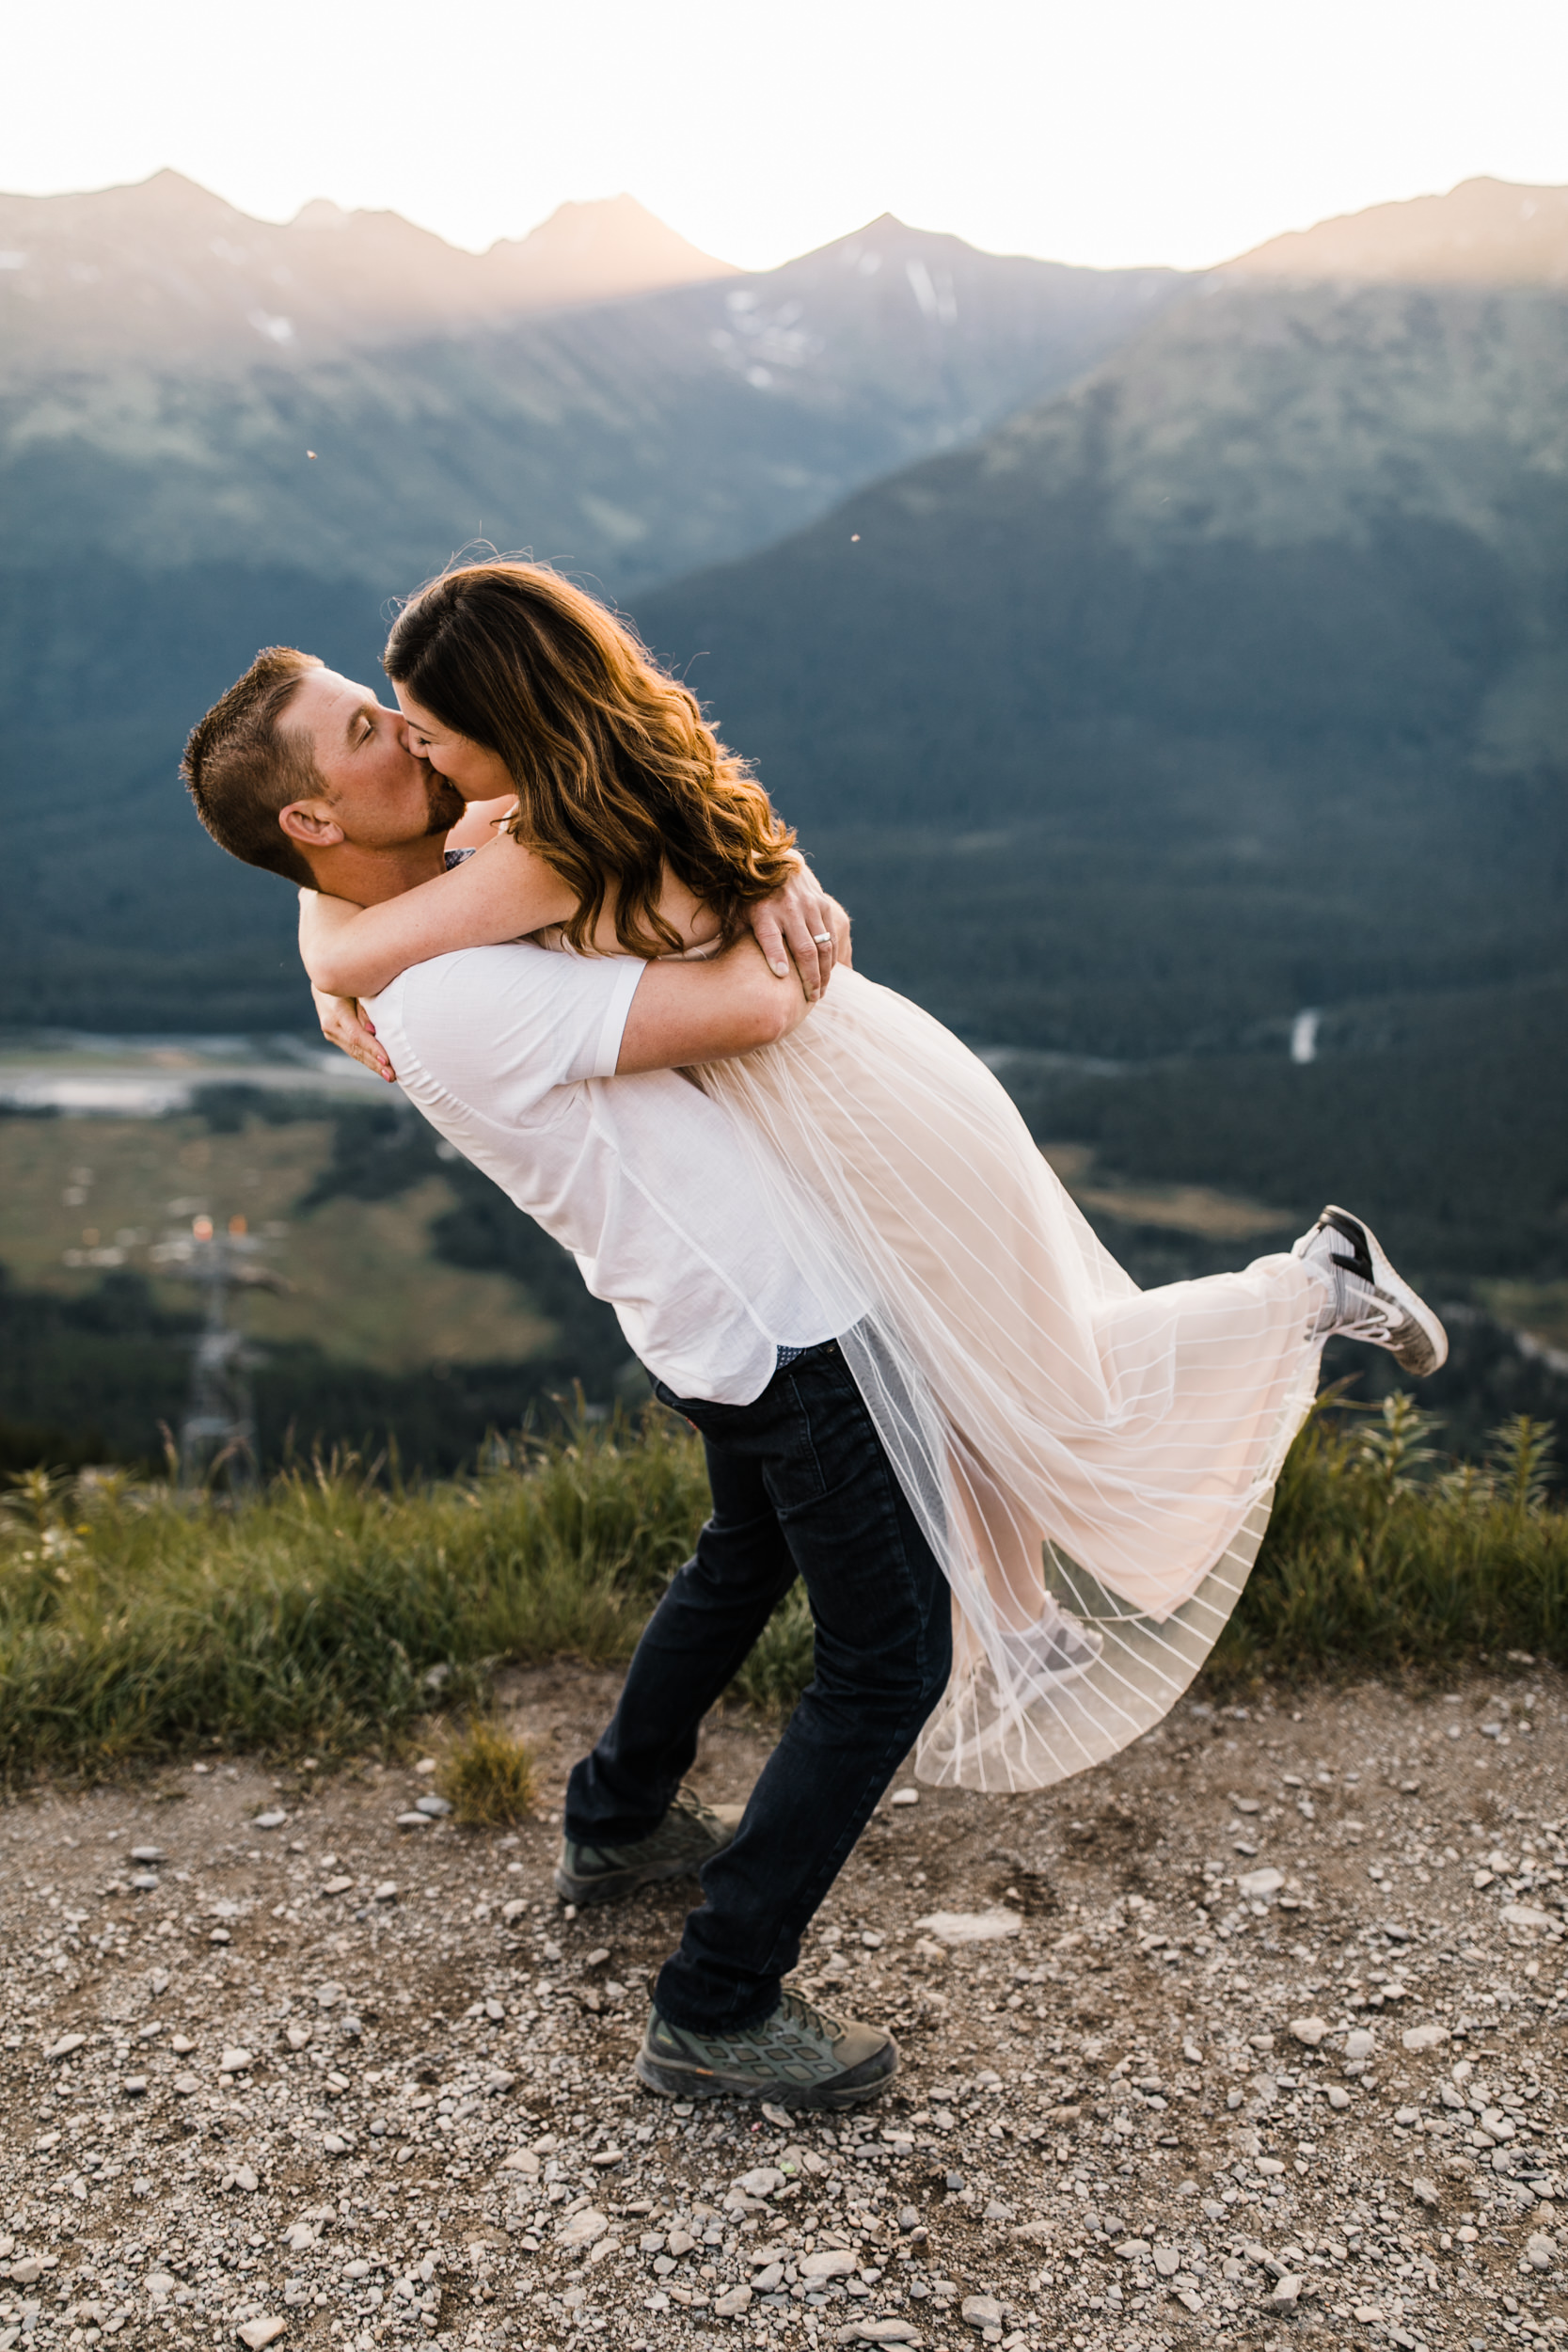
x: 510, y: 1053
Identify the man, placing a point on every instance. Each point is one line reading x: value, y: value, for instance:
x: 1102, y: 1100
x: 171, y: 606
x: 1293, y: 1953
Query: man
x: 558, y: 1076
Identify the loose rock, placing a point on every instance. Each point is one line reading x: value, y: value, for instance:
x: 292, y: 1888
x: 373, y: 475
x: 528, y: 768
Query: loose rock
x: 452, y: 2140
x: 972, y: 1927
x: 831, y: 2262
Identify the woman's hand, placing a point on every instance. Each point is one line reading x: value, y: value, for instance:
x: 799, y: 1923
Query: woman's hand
x: 345, y: 1024
x: 802, y: 922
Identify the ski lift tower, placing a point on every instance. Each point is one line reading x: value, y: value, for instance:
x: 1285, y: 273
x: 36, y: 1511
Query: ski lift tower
x: 219, y: 1431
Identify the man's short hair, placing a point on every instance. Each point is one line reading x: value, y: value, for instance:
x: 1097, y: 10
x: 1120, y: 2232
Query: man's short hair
x: 242, y: 766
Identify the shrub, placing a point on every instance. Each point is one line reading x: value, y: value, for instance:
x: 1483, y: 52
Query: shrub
x: 488, y: 1778
x: 1377, y: 1560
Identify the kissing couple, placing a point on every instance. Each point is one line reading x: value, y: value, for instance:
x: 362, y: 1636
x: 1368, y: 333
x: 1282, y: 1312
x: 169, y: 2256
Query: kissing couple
x: 1023, y: 1495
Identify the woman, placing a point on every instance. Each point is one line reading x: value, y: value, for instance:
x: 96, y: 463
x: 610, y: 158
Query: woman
x: 1092, y: 1465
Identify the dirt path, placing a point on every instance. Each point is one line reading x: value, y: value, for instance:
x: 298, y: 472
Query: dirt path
x: 335, y: 2081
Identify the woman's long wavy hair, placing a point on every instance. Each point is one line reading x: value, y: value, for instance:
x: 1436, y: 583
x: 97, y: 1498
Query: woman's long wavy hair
x: 617, y: 775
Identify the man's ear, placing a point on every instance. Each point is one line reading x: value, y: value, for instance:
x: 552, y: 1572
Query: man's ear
x: 310, y: 824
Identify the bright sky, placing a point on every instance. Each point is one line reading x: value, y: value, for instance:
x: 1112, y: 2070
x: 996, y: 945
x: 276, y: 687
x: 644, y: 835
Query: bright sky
x: 1098, y: 131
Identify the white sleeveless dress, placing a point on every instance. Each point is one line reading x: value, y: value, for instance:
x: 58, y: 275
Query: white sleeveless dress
x: 1092, y: 1464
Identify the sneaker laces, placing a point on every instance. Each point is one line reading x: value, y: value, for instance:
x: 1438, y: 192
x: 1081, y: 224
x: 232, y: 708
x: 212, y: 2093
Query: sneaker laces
x: 686, y: 1801
x: 811, y: 2014
x: 1378, y: 1318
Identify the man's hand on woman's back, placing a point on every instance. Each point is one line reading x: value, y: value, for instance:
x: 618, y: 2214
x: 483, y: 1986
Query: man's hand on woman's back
x: 685, y: 1013
x: 801, y: 922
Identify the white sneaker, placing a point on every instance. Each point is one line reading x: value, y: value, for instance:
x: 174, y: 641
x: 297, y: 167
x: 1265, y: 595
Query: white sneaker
x: 1055, y: 1648
x: 1366, y: 1298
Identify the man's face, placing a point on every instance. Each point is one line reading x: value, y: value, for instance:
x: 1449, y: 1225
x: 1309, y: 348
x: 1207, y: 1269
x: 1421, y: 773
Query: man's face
x: 380, y: 794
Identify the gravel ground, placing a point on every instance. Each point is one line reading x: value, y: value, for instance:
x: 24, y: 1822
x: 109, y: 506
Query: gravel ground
x: 1256, y: 2032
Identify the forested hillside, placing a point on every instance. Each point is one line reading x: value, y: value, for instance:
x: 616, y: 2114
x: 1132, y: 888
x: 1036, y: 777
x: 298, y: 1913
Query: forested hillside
x: 1231, y: 683
x: 161, y: 522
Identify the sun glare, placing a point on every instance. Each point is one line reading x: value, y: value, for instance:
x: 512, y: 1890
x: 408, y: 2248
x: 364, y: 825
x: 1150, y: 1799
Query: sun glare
x: 1117, y: 135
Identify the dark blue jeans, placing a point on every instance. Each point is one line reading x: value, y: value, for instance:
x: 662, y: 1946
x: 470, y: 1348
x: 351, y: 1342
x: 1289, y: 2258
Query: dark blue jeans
x: 800, y: 1486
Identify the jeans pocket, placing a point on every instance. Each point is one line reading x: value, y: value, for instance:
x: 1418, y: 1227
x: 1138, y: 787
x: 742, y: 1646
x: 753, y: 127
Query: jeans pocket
x: 831, y: 1443
x: 809, y: 1433
x: 794, y: 1474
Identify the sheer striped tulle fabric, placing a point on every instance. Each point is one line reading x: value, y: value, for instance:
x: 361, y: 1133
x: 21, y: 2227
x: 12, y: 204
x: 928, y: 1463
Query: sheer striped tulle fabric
x: 1092, y: 1464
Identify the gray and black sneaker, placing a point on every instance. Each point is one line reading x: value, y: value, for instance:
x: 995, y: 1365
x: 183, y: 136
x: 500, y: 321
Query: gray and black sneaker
x: 1055, y: 1648
x: 799, y: 2058
x: 1368, y: 1299
x: 690, y: 1834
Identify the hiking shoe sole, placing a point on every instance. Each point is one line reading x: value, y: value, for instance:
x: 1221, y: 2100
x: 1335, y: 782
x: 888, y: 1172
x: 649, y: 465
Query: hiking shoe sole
x: 855, y: 2088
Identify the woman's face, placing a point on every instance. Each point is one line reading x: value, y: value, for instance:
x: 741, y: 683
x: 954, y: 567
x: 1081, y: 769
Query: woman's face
x: 478, y: 774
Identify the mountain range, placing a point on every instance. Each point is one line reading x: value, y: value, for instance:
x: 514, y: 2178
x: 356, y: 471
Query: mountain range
x: 1312, y: 521
x: 1232, y: 681
x: 636, y: 438
x: 1483, y: 233
x: 1149, y: 661
x: 159, y: 521
x: 1239, y: 668
x: 1206, y: 660
x: 165, y: 274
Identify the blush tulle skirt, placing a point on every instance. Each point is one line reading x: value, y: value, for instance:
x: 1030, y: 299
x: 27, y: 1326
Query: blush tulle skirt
x: 1093, y: 1465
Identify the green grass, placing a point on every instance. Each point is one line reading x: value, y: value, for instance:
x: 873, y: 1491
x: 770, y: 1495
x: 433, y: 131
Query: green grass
x: 329, y: 1609
x: 1381, y: 1559
x: 334, y: 1608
